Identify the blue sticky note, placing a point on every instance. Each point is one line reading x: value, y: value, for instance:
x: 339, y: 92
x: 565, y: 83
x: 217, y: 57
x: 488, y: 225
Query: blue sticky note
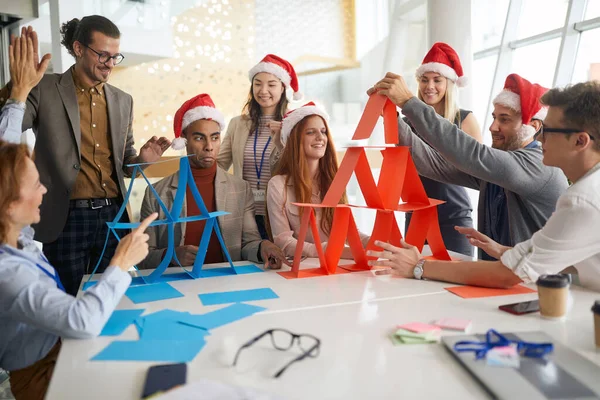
x: 151, y: 350
x: 237, y: 296
x: 119, y: 321
x: 152, y: 292
x: 222, y: 316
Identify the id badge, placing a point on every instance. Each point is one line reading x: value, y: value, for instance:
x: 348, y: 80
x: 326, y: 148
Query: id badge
x: 259, y: 195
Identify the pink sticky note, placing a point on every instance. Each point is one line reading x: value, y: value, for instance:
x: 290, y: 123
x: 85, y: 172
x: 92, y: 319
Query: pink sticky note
x: 418, y: 327
x: 454, y: 324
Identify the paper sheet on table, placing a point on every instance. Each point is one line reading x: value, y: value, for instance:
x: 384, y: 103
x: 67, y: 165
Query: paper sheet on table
x: 222, y: 316
x: 237, y: 296
x: 152, y: 292
x: 471, y: 292
x: 169, y: 328
x: 119, y: 321
x: 210, y: 390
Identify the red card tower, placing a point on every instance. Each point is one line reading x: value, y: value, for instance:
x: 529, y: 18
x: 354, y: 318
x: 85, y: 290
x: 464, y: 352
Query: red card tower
x: 398, y: 179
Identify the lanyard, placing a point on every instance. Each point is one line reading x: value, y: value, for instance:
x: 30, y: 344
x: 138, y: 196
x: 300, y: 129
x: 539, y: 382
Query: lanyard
x: 262, y: 158
x: 55, y: 277
x: 495, y: 339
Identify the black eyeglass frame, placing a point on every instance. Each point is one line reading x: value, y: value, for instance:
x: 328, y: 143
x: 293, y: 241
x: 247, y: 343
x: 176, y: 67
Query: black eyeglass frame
x: 100, y: 55
x: 564, y: 131
x: 316, y: 348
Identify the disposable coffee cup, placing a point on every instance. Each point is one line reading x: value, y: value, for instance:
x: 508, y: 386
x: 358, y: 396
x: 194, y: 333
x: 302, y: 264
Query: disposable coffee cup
x: 596, y: 311
x: 553, y: 292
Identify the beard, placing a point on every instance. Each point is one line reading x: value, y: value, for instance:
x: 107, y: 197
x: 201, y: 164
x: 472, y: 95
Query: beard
x: 519, y: 140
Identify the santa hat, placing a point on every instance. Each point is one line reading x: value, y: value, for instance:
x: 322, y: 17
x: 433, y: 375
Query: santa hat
x: 291, y: 119
x: 524, y: 97
x: 198, y: 107
x: 442, y: 59
x: 281, y: 69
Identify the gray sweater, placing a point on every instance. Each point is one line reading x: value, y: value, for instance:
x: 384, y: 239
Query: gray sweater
x: 531, y: 188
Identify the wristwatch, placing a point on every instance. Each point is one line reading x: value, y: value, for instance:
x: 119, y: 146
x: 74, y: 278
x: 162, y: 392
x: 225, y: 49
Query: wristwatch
x: 20, y: 104
x: 418, y: 270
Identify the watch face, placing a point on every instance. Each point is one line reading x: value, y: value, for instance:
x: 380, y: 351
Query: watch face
x: 418, y: 272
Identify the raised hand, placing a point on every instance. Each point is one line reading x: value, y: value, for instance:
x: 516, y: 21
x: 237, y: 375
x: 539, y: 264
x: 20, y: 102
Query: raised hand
x: 153, y: 149
x: 275, y: 128
x: 133, y: 248
x: 394, y: 87
x: 482, y: 241
x: 26, y: 70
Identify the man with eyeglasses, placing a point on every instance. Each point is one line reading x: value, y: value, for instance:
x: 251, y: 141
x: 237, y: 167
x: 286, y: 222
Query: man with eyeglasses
x: 570, y: 141
x: 84, y: 141
x: 517, y: 193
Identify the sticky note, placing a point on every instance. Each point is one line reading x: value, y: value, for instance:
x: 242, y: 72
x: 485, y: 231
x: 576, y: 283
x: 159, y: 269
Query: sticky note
x: 151, y: 350
x: 222, y: 316
x: 152, y: 292
x: 119, y: 321
x: 237, y: 296
x: 427, y: 336
x: 454, y: 324
x: 418, y: 327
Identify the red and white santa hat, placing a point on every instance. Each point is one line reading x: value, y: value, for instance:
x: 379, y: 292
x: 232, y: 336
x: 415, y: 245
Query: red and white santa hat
x: 291, y: 118
x: 282, y: 69
x: 524, y: 97
x: 444, y: 60
x: 198, y: 107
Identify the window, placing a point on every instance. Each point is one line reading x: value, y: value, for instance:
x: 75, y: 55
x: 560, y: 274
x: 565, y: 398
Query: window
x: 539, y: 16
x: 483, y: 76
x: 587, y: 63
x: 487, y: 19
x: 592, y: 9
x: 537, y: 62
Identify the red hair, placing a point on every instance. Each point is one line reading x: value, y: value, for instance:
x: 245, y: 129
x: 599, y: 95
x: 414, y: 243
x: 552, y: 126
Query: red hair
x: 293, y: 165
x: 12, y: 164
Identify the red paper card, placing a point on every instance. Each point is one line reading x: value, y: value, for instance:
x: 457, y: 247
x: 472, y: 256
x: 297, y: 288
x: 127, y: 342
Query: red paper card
x: 473, y: 292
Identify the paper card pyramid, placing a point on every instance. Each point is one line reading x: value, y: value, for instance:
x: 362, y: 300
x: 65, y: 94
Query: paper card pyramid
x: 173, y: 216
x: 398, y: 180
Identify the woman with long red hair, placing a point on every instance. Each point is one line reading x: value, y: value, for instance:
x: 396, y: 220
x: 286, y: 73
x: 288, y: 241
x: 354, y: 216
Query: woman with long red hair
x: 305, y: 171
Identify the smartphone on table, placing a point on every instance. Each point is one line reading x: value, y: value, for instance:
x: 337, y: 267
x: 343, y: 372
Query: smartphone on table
x: 524, y: 307
x: 162, y: 378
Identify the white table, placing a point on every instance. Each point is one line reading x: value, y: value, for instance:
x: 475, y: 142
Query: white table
x: 351, y: 314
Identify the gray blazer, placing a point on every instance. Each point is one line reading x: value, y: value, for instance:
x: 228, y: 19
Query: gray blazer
x: 532, y: 189
x: 53, y: 114
x: 238, y: 228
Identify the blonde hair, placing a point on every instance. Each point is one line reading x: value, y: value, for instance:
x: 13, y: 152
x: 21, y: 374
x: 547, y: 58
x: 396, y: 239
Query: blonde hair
x: 451, y: 108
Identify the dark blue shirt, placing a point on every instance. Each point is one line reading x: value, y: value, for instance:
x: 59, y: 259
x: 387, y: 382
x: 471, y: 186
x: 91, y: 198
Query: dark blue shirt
x: 497, y: 214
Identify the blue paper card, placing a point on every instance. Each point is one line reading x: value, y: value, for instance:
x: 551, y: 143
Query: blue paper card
x: 151, y: 350
x: 224, y: 271
x: 182, y: 276
x: 153, y: 292
x: 222, y: 316
x: 119, y: 321
x: 165, y: 325
x: 237, y: 296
